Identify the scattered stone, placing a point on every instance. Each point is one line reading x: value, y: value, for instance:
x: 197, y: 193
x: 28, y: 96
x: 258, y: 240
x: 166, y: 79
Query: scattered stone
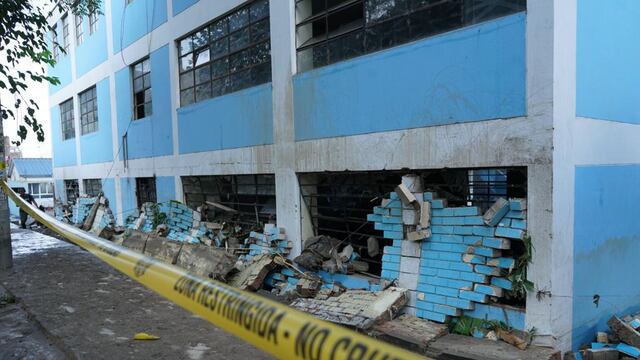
x: 624, y: 331
x: 373, y: 247
x: 316, y: 251
x: 252, y: 277
x: 308, y: 287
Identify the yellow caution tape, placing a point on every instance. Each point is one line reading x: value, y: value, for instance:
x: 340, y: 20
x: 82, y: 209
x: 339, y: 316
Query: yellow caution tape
x: 277, y: 329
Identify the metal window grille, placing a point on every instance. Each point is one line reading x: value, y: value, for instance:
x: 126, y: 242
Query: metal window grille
x: 93, y: 23
x: 88, y: 111
x: 329, y: 31
x: 67, y: 124
x: 79, y: 30
x: 230, y: 53
x: 141, y: 72
x: 146, y: 190
x: 71, y: 190
x: 92, y: 187
x: 66, y: 37
x: 253, y: 196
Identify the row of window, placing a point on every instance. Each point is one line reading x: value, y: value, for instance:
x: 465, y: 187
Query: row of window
x: 88, y: 114
x: 145, y: 189
x: 233, y: 52
x: 66, y: 35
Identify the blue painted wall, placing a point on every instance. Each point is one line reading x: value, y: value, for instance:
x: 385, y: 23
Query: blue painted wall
x: 96, y: 147
x: 472, y: 74
x: 109, y: 190
x: 60, y: 194
x: 240, y: 119
x: 607, y: 60
x: 64, y: 152
x: 165, y: 188
x: 513, y: 318
x: 606, y: 244
x: 181, y: 5
x: 128, y: 193
x: 62, y: 70
x: 93, y: 50
x: 152, y: 135
x: 137, y: 20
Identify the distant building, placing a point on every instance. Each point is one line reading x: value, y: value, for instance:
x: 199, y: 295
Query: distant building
x: 35, y: 176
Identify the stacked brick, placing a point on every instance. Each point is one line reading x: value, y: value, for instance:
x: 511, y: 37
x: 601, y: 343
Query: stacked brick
x: 460, y: 264
x: 81, y: 209
x: 272, y: 240
x: 183, y: 224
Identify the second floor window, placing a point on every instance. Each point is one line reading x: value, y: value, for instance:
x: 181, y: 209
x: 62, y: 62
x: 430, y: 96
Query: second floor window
x: 229, y: 54
x: 66, y: 37
x: 54, y: 43
x: 88, y: 111
x: 93, y: 22
x: 141, y: 89
x: 79, y: 30
x: 67, y: 125
x: 92, y: 187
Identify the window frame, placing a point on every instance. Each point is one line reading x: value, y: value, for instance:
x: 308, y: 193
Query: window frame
x: 93, y: 22
x: 86, y: 98
x: 71, y: 185
x: 79, y: 25
x: 66, y: 35
x: 224, y: 78
x: 148, y: 184
x: 93, y: 185
x: 54, y: 43
x: 145, y: 78
x: 67, y: 108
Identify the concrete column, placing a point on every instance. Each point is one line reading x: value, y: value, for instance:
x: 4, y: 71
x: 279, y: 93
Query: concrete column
x: 283, y: 52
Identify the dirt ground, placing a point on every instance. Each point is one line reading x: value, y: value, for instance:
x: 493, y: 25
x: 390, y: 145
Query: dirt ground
x: 71, y: 305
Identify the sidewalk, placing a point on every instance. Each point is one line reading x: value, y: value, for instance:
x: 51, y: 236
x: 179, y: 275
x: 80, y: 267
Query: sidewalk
x: 91, y: 311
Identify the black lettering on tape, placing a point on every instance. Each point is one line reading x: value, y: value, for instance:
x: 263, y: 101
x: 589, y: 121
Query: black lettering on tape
x: 108, y: 250
x: 310, y: 342
x: 141, y: 266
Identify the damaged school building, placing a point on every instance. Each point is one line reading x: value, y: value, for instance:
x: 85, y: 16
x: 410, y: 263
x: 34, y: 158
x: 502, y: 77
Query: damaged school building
x: 452, y: 159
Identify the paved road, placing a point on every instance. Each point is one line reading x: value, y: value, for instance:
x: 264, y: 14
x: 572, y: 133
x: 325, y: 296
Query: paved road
x: 87, y: 310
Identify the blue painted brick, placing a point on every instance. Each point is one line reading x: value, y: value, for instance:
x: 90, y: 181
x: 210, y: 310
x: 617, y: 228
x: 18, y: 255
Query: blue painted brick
x: 434, y: 264
x: 488, y: 252
x: 447, y: 310
x: 474, y: 259
x: 516, y: 214
x: 446, y: 291
x: 393, y: 195
x: 423, y: 305
x: 388, y: 227
x: 429, y: 196
x: 447, y: 220
x: 428, y: 271
x: 463, y: 230
x: 466, y: 211
x: 461, y: 266
x: 452, y: 239
x: 518, y: 204
x: 487, y: 270
x: 397, y: 235
x: 395, y: 212
x: 502, y: 262
x: 442, y: 212
x: 496, y: 243
x: 444, y: 247
x: 449, y: 256
x: 392, y: 250
x: 391, y: 219
x: 391, y: 266
x: 435, y: 298
x: 374, y: 217
x: 506, y: 222
x: 519, y: 224
x: 438, y: 204
x: 424, y: 287
x: 434, y: 316
x: 391, y: 258
x: 477, y: 278
x: 483, y: 230
x: 473, y: 296
x: 510, y: 233
x: 502, y: 283
x: 397, y: 243
x: 473, y: 220
x: 388, y: 274
x: 461, y: 303
x: 381, y: 210
x: 395, y: 204
x: 440, y: 229
x: 435, y: 281
x: 486, y: 289
x: 472, y: 240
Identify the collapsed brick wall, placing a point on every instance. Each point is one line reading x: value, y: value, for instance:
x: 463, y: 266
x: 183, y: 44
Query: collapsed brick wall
x: 459, y: 264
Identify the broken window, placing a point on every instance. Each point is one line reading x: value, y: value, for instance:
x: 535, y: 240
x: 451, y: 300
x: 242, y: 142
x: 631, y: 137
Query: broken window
x: 329, y: 31
x: 88, y: 111
x: 66, y: 41
x: 141, y: 72
x: 79, y: 30
x: 92, y: 187
x: 252, y: 197
x: 229, y: 54
x: 67, y: 125
x: 146, y: 190
x: 72, y: 190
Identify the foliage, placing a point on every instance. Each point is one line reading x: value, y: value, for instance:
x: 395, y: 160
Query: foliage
x: 465, y: 325
x: 158, y: 217
x: 24, y: 31
x: 518, y: 275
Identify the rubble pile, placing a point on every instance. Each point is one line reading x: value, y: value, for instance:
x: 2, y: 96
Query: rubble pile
x: 622, y: 342
x: 92, y: 214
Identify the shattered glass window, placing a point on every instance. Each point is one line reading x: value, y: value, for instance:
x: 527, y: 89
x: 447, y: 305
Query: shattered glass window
x: 71, y: 190
x: 228, y: 54
x: 67, y: 124
x: 328, y: 31
x: 88, y: 111
x: 92, y: 187
x: 141, y: 72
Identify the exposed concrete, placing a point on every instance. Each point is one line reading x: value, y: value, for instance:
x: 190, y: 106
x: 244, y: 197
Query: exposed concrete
x: 467, y: 347
x: 94, y: 310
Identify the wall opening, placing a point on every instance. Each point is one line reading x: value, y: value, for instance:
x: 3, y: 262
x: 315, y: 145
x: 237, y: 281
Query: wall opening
x: 252, y: 197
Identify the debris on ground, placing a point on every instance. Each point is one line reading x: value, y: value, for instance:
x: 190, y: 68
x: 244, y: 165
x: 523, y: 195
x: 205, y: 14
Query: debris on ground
x: 91, y: 214
x: 409, y: 332
x: 356, y: 308
x: 622, y: 342
x: 253, y: 275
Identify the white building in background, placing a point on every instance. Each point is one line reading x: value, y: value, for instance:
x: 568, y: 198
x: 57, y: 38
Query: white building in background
x: 35, y: 176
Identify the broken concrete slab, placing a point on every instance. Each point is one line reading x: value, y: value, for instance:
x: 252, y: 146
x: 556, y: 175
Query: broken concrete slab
x: 206, y: 261
x: 624, y: 331
x: 163, y: 249
x: 409, y: 332
x: 136, y: 240
x: 601, y: 354
x: 252, y: 277
x: 454, y: 346
x: 357, y: 308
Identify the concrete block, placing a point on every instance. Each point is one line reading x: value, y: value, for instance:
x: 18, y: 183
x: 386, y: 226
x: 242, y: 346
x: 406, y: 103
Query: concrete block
x: 409, y: 265
x: 497, y: 243
x: 410, y: 217
x: 490, y: 290
x: 408, y: 281
x: 487, y: 270
x: 425, y: 215
x: 496, y: 212
x: 162, y: 249
x: 205, y: 261
x: 408, y: 310
x: 483, y: 230
x: 410, y: 248
x: 502, y: 283
x: 510, y: 233
x: 474, y: 296
x: 413, y: 183
x: 405, y: 195
x: 419, y: 235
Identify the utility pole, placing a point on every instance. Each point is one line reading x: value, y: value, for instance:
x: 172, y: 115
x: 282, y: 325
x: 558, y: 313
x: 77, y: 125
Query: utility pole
x: 6, y: 255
